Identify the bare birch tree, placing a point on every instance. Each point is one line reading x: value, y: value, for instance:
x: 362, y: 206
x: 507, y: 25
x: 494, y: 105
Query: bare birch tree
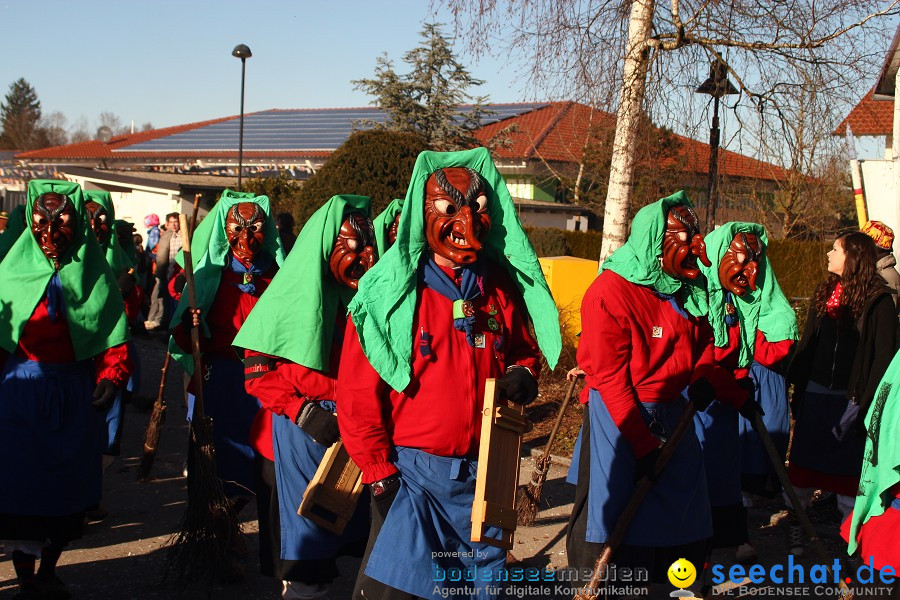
x: 655, y: 52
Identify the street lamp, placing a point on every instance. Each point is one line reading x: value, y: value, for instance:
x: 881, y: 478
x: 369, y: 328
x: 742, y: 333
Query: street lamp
x: 716, y: 85
x: 242, y: 52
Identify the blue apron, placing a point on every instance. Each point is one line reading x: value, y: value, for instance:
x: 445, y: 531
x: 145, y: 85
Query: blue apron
x: 676, y: 510
x: 232, y: 410
x: 51, y: 438
x: 716, y: 429
x: 297, y: 456
x: 772, y: 397
x: 432, y: 513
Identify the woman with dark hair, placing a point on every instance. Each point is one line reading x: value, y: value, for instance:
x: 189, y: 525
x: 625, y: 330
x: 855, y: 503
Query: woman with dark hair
x: 849, y: 340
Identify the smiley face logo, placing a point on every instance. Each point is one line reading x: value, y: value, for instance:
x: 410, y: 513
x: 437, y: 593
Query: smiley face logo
x: 682, y: 573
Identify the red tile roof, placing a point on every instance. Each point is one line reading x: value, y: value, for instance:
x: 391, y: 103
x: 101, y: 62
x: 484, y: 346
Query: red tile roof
x: 557, y: 132
x: 869, y: 117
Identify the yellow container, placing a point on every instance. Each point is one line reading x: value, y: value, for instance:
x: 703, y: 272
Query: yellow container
x: 568, y: 278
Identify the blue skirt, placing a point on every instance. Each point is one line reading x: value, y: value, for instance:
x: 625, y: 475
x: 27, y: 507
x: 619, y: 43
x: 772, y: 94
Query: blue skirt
x: 716, y: 429
x: 232, y: 410
x: 297, y: 456
x: 772, y: 397
x: 115, y: 421
x: 676, y: 511
x: 51, y: 438
x: 820, y: 442
x: 424, y: 546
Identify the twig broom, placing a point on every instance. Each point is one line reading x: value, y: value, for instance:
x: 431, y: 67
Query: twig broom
x: 154, y: 427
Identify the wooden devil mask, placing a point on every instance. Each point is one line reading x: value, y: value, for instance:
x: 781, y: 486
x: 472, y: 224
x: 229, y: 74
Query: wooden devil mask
x: 683, y: 244
x: 53, y: 221
x: 456, y: 214
x: 354, y: 250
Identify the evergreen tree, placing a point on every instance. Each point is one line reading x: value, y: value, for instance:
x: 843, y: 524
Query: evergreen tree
x: 19, y: 115
x: 427, y: 100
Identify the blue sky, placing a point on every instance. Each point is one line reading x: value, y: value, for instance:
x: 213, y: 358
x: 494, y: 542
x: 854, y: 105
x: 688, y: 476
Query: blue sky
x: 169, y: 62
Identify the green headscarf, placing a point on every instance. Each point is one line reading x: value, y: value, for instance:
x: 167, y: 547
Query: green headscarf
x: 384, y: 306
x: 210, y: 253
x: 881, y: 460
x: 765, y: 309
x: 384, y: 221
x: 638, y: 259
x: 94, y: 308
x: 295, y: 318
x: 115, y: 255
x: 15, y: 225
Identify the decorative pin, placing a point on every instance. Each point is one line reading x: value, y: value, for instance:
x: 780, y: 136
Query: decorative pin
x: 657, y: 332
x: 468, y: 308
x: 479, y: 340
x: 493, y: 324
x: 248, y: 278
x: 730, y: 309
x: 424, y: 343
x: 492, y: 310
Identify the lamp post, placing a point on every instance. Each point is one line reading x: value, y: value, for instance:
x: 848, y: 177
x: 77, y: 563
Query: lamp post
x: 242, y: 52
x: 716, y: 85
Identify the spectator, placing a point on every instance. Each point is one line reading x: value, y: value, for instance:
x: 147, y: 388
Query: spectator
x: 151, y: 222
x: 284, y: 223
x: 886, y: 264
x: 850, y: 338
x: 161, y: 303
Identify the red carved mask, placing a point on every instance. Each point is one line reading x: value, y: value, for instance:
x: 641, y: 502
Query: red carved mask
x: 740, y: 264
x: 354, y: 250
x: 99, y: 220
x: 456, y: 214
x: 245, y: 229
x: 53, y: 220
x: 392, y: 230
x: 683, y: 244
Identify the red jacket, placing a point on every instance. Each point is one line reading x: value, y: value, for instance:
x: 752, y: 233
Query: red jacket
x: 768, y: 354
x: 440, y: 411
x: 635, y: 347
x: 47, y: 341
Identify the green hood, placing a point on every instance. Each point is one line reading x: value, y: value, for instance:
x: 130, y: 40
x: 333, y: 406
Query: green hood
x: 15, y: 225
x: 116, y: 256
x: 384, y: 221
x: 881, y: 460
x: 295, y: 318
x: 94, y: 308
x: 384, y: 306
x: 765, y: 309
x: 638, y: 259
x: 210, y: 253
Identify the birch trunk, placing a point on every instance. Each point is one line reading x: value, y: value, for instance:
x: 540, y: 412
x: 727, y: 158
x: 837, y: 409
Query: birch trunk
x: 621, y: 173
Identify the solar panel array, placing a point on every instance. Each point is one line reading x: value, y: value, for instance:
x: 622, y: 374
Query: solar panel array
x: 292, y: 130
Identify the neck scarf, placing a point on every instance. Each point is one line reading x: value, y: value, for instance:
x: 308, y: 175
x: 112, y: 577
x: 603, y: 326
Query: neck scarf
x: 833, y: 306
x: 261, y: 264
x: 471, y: 287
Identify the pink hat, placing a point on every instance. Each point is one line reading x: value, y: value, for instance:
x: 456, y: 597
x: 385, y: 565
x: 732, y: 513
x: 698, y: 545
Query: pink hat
x: 151, y: 220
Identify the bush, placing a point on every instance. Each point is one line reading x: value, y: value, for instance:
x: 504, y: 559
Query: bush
x: 548, y: 241
x: 799, y: 265
x: 584, y: 244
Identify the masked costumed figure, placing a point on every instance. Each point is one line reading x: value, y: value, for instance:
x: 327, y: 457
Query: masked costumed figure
x: 293, y: 341
x: 754, y: 328
x: 641, y: 345
x: 62, y: 343
x: 15, y: 225
x: 873, y: 528
x: 386, y: 225
x: 235, y: 252
x: 446, y: 308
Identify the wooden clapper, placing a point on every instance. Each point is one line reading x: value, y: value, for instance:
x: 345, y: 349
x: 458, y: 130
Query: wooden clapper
x: 331, y: 497
x: 502, y: 427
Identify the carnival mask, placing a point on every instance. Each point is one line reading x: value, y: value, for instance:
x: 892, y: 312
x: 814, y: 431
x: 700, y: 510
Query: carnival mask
x: 354, y: 250
x: 740, y: 265
x: 53, y: 221
x: 99, y: 220
x: 683, y: 244
x: 244, y: 227
x: 392, y: 230
x: 456, y: 215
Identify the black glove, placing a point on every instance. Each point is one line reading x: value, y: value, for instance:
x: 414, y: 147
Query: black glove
x: 383, y: 493
x: 646, y: 466
x: 701, y: 393
x: 104, y: 394
x: 519, y: 385
x: 320, y: 424
x: 750, y: 409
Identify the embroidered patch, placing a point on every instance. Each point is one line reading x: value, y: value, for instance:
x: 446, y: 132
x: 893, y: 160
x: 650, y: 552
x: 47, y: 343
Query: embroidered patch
x: 493, y: 324
x: 492, y: 310
x: 479, y: 340
x: 657, y: 332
